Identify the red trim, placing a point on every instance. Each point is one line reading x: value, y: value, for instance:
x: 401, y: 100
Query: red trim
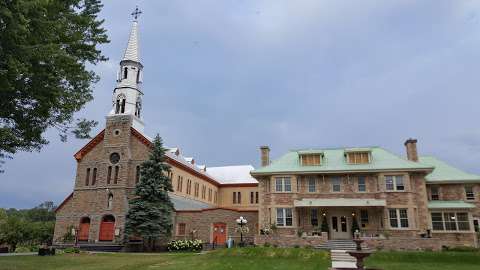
x: 90, y: 145
x: 97, y: 139
x: 240, y: 185
x: 215, y: 208
x: 64, y: 202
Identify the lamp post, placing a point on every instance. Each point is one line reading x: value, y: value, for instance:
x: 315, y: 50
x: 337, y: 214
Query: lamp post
x: 241, y: 221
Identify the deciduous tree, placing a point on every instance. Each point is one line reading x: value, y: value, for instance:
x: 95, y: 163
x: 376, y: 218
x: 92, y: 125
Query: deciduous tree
x: 45, y: 47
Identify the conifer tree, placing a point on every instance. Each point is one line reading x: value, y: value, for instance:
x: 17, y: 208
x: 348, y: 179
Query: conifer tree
x: 150, y: 213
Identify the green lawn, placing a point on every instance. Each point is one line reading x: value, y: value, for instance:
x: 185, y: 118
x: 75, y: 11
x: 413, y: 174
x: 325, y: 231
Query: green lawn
x: 245, y: 259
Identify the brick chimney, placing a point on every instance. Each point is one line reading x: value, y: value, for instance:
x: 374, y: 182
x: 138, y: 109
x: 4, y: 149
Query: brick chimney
x: 265, y: 155
x: 411, y: 145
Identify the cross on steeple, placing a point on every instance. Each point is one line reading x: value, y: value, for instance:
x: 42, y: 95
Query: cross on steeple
x: 136, y: 13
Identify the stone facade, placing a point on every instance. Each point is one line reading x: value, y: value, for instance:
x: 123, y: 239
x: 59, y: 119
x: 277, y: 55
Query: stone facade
x: 199, y: 224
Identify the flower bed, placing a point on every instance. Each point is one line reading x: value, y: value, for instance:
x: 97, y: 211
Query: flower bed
x: 185, y: 245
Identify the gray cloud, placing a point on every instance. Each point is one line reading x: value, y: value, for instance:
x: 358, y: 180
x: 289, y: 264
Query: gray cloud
x: 223, y: 77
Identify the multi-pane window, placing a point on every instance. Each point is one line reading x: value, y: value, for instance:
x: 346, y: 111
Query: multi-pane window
x: 336, y: 184
x: 87, y: 177
x: 252, y: 197
x: 256, y: 197
x: 237, y: 197
x: 314, y: 217
x: 469, y: 195
x: 312, y: 184
x: 283, y: 184
x: 362, y: 186
x: 398, y: 218
x: 284, y: 217
x: 181, y: 229
x: 450, y: 221
x: 358, y: 157
x: 189, y: 186
x: 215, y: 197
x: 179, y: 183
x: 196, y: 187
x: 394, y: 182
x: 310, y: 159
x: 204, y: 192
x: 209, y: 194
x: 434, y: 193
x: 94, y: 176
x: 363, y: 217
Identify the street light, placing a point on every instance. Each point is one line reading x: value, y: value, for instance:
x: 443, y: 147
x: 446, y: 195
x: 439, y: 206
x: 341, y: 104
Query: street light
x: 241, y: 221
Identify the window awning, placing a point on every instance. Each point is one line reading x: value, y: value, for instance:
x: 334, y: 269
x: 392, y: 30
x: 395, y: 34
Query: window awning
x: 338, y: 202
x: 449, y: 205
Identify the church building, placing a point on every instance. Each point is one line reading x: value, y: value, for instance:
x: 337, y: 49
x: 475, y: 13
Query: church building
x: 315, y: 197
x: 207, y: 201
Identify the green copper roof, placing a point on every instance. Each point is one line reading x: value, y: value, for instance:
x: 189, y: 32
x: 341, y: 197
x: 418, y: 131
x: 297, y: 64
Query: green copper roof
x: 334, y: 160
x: 449, y: 205
x: 446, y: 173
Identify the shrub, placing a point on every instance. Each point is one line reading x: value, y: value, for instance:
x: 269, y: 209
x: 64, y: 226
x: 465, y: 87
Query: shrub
x: 185, y: 245
x: 71, y: 250
x: 266, y: 244
x: 461, y: 249
x: 22, y: 250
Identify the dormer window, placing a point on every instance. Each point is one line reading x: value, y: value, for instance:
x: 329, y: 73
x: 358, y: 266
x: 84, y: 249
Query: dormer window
x: 358, y: 157
x: 310, y: 159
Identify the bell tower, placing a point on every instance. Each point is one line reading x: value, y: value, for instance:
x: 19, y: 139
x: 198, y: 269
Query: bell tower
x: 127, y: 95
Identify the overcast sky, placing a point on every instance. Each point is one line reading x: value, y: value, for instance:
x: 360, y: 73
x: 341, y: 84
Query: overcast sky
x: 224, y: 77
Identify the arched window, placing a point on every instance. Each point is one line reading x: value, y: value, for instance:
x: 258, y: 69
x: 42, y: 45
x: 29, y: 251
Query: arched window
x: 125, y: 72
x: 110, y: 201
x: 122, y: 109
x: 138, y: 107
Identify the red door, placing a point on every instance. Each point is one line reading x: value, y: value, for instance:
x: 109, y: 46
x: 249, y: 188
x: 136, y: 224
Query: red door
x: 84, y: 230
x: 107, y: 228
x: 219, y: 233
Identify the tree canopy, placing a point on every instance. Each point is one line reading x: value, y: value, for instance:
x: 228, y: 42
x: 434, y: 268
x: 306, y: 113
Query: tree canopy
x: 45, y: 47
x: 150, y: 212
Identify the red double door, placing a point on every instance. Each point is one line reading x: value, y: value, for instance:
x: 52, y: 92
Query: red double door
x: 107, y: 229
x: 84, y: 230
x: 219, y: 233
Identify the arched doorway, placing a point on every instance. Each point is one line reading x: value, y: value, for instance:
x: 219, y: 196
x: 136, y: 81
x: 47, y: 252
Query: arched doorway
x: 107, y: 228
x: 84, y: 229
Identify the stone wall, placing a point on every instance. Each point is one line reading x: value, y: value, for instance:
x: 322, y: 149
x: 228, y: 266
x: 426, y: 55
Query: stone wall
x: 436, y: 243
x: 291, y: 240
x: 201, y: 223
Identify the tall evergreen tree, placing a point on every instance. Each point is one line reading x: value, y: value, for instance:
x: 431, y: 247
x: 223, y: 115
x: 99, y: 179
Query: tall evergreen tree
x: 150, y: 213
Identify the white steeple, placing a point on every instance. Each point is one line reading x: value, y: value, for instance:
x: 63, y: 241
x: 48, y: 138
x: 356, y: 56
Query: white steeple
x: 127, y: 96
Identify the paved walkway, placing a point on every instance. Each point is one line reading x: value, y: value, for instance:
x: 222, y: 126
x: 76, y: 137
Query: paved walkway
x: 18, y: 254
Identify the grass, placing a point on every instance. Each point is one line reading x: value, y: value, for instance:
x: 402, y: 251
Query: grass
x: 247, y: 259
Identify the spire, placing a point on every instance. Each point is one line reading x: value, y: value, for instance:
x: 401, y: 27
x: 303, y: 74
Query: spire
x: 131, y: 53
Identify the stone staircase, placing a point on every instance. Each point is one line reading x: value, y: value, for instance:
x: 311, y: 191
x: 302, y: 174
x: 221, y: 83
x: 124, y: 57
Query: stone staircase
x: 339, y: 245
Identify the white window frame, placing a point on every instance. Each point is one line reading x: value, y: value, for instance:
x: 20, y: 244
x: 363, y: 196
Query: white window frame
x: 437, y: 198
x: 456, y: 222
x: 283, y: 184
x: 333, y: 184
x: 364, y: 184
x: 311, y: 188
x: 469, y: 196
x: 398, y: 218
x: 283, y: 217
x: 395, y: 181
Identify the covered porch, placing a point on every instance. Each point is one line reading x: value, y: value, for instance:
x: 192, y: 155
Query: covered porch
x: 337, y: 216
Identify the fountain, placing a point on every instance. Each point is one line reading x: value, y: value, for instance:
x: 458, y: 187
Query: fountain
x: 358, y: 254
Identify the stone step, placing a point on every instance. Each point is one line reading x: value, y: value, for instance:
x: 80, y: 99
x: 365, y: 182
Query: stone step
x: 339, y: 245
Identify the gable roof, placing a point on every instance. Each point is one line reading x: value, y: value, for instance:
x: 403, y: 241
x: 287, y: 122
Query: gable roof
x: 445, y: 173
x: 334, y: 161
x: 233, y: 175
